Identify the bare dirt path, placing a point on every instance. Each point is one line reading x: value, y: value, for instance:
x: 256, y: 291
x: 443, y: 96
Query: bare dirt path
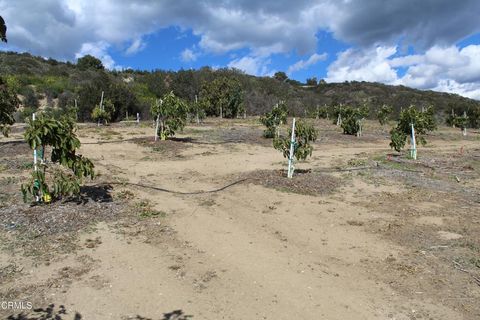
x: 247, y: 252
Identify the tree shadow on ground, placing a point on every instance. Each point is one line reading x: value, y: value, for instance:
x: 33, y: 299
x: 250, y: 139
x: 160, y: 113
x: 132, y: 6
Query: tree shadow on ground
x: 96, y: 193
x: 48, y: 313
x: 186, y: 139
x: 174, y: 315
x: 60, y: 313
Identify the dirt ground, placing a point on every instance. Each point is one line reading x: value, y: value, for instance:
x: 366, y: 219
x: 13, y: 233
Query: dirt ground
x: 206, y: 226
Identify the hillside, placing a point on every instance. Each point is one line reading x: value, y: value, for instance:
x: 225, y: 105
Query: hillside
x: 59, y: 84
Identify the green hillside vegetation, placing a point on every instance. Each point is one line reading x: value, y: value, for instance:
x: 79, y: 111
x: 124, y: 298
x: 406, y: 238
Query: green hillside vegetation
x: 56, y: 86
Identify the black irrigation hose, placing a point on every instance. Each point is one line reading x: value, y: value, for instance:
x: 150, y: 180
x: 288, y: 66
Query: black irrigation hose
x: 235, y: 182
x: 110, y: 141
x: 177, y: 192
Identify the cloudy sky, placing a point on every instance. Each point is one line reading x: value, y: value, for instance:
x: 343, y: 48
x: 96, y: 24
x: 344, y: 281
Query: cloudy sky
x: 426, y: 44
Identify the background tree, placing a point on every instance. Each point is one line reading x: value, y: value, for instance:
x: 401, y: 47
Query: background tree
x: 423, y: 122
x: 66, y: 168
x: 171, y: 114
x: 224, y: 96
x: 312, y: 81
x: 280, y: 76
x: 8, y: 104
x: 89, y: 62
x: 273, y: 119
x: 384, y: 113
x: 3, y: 30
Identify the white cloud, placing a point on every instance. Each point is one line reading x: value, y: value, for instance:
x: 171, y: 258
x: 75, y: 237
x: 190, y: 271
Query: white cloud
x: 257, y: 66
x: 136, y: 46
x: 363, y: 65
x: 304, y: 64
x: 448, y: 69
x: 265, y: 27
x: 188, y: 55
x: 99, y: 50
x: 65, y: 28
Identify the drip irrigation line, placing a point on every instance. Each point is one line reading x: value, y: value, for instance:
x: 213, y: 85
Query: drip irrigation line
x: 236, y: 182
x: 177, y: 192
x: 224, y: 187
x: 110, y: 141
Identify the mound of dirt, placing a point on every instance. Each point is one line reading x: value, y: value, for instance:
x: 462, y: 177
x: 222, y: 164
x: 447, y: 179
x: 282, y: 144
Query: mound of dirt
x: 171, y: 148
x: 303, y: 181
x: 95, y: 204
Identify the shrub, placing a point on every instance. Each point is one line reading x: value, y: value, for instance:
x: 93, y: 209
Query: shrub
x: 273, y: 119
x: 423, y: 122
x: 67, y: 168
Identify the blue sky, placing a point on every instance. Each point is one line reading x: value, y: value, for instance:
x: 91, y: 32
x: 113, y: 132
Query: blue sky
x: 428, y: 44
x: 163, y: 50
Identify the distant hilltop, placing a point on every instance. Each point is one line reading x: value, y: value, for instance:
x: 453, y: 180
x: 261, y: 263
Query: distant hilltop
x: 57, y: 84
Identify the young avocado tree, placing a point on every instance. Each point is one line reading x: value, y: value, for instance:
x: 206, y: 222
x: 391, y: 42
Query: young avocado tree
x: 352, y: 119
x: 338, y: 114
x: 413, y: 123
x: 103, y: 113
x: 273, y: 119
x: 8, y: 104
x: 384, y: 113
x: 299, y: 144
x: 322, y: 112
x: 63, y: 173
x: 461, y: 122
x: 171, y: 115
x: 197, y: 109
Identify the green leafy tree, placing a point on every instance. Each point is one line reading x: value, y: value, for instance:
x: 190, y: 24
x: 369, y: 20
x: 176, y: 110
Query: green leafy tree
x: 322, y: 112
x: 3, y: 30
x: 89, y: 62
x: 8, y: 104
x: 338, y: 114
x: 280, y: 76
x: 423, y: 122
x: 171, y: 114
x: 312, y: 81
x: 352, y: 119
x: 30, y: 98
x: 103, y: 113
x: 63, y: 174
x: 224, y: 96
x: 273, y: 119
x: 474, y: 117
x: 197, y: 109
x: 305, y: 134
x: 384, y: 113
x: 461, y: 122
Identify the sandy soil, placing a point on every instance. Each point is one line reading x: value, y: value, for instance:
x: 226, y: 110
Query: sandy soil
x: 391, y: 239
